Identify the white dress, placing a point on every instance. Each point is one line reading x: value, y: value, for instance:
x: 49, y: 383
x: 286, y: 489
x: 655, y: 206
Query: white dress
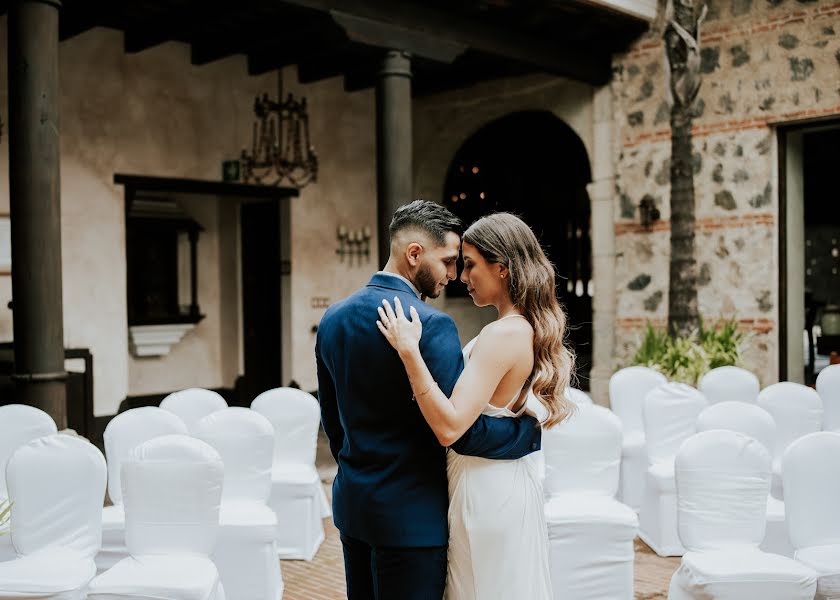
x: 498, y: 539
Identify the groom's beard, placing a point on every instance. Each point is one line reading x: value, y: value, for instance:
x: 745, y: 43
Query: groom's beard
x: 426, y: 283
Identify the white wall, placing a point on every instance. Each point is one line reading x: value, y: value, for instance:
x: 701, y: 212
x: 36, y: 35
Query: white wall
x: 155, y: 114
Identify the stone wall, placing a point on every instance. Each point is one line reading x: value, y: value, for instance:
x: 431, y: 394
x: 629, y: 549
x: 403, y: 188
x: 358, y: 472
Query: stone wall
x: 764, y: 62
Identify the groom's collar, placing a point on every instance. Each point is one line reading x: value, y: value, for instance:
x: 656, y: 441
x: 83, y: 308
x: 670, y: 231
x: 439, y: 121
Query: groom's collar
x: 393, y: 281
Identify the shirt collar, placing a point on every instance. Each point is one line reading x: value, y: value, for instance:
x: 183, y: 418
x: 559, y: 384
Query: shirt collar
x: 411, y: 285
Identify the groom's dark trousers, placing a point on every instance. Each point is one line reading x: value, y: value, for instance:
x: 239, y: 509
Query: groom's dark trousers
x: 390, y: 496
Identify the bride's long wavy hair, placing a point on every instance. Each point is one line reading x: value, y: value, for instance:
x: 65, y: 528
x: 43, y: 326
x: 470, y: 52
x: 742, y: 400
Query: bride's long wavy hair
x: 506, y: 239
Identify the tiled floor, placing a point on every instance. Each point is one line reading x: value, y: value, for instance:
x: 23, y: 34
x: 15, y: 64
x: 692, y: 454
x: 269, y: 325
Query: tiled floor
x: 323, y: 577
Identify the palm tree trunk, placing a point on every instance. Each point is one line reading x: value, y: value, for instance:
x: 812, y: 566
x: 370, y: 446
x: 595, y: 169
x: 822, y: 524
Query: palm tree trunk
x: 683, y: 54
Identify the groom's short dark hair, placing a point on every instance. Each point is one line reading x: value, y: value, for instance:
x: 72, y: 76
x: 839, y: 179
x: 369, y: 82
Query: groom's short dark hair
x: 427, y: 216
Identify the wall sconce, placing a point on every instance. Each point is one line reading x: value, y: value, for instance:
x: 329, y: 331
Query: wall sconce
x: 353, y: 242
x: 648, y: 213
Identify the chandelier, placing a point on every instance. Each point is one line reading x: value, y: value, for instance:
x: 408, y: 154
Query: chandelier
x: 280, y: 146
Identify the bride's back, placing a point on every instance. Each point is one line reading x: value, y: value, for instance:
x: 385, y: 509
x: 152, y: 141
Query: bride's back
x: 510, y: 393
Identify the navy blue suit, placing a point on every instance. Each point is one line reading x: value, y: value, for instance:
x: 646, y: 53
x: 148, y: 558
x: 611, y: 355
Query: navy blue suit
x: 391, y: 487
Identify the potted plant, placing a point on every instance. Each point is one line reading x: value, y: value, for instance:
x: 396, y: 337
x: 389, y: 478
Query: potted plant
x: 687, y: 358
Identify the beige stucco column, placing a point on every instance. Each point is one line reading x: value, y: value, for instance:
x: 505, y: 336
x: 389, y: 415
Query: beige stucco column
x: 601, y: 195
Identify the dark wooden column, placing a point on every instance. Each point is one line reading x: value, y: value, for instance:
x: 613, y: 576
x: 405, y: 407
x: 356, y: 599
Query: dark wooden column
x: 35, y: 206
x: 393, y: 142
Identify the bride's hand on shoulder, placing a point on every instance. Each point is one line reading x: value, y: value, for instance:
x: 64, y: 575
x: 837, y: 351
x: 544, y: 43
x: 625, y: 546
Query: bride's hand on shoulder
x: 402, y: 334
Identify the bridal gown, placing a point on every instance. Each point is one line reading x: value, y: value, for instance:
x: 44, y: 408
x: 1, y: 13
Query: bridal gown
x: 498, y: 539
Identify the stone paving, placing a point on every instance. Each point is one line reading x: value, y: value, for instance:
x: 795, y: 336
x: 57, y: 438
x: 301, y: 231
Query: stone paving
x: 323, y: 577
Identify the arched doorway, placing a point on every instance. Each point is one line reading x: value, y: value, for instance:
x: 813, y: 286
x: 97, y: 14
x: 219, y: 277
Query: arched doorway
x: 534, y: 165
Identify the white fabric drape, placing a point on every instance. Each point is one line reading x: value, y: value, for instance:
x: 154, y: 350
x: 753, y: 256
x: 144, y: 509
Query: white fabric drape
x: 669, y: 416
x: 811, y: 470
x: 172, y: 488
x: 125, y: 432
x: 722, y: 479
x: 245, y: 554
x: 297, y: 496
x: 797, y: 410
x: 590, y: 533
x: 728, y: 384
x: 19, y: 424
x: 57, y: 485
x: 193, y: 404
x: 628, y: 388
x: 828, y: 387
x: 755, y: 422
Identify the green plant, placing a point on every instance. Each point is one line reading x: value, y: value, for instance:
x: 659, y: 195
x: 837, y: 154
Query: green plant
x: 688, y: 358
x: 5, y: 510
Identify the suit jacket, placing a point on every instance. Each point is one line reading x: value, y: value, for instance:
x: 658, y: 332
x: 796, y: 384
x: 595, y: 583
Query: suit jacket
x: 391, y: 487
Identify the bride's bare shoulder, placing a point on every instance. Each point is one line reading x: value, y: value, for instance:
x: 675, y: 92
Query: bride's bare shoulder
x: 506, y: 334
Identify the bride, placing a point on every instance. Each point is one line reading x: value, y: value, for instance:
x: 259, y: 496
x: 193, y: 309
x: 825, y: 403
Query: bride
x: 498, y: 545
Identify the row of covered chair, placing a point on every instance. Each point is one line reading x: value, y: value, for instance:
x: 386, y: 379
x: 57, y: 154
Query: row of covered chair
x: 722, y: 480
x: 669, y: 414
x: 590, y: 532
x: 19, y: 424
x: 245, y: 552
x: 254, y: 473
x: 297, y: 496
x: 172, y: 489
x: 56, y: 535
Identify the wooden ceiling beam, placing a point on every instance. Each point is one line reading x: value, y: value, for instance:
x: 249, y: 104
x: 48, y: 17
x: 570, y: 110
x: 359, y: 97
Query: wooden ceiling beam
x: 314, y: 69
x: 546, y: 54
x: 263, y: 61
x: 204, y: 52
x: 180, y: 24
x: 267, y: 36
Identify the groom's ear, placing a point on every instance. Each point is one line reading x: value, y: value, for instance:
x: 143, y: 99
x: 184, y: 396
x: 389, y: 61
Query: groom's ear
x: 413, y: 252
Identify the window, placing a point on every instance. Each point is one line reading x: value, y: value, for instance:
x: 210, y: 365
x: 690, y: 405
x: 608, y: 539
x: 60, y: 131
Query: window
x: 162, y: 270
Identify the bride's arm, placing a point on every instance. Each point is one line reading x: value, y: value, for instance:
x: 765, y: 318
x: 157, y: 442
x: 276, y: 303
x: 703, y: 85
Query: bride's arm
x: 448, y: 418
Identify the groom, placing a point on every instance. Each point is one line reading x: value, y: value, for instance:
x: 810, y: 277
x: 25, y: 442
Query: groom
x: 390, y: 496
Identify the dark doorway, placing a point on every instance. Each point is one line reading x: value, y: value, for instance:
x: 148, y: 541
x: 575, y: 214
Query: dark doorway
x: 534, y: 165
x: 260, y: 235
x: 809, y: 250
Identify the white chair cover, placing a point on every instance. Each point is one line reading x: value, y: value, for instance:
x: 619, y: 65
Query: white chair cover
x: 755, y: 422
x: 797, y: 410
x: 725, y: 384
x: 193, y: 404
x: 749, y: 419
x: 828, y: 387
x: 811, y: 470
x: 245, y: 554
x: 57, y: 485
x: 670, y: 412
x: 19, y: 424
x: 723, y: 478
x: 172, y: 489
x: 297, y: 496
x: 123, y: 433
x: 577, y: 396
x: 590, y: 533
x: 628, y: 388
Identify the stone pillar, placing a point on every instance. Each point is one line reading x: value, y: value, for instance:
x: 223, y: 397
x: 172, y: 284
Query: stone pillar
x: 602, y: 198
x: 393, y: 142
x: 35, y: 206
